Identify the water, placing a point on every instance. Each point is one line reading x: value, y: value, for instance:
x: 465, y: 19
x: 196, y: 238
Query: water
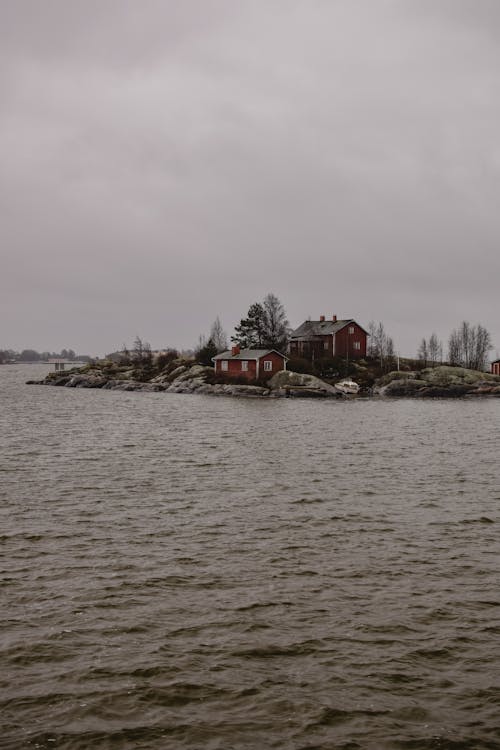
x: 211, y: 573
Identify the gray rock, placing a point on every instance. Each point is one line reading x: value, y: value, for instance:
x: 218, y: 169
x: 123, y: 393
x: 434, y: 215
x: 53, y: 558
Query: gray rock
x: 249, y: 390
x: 64, y: 380
x: 403, y: 386
x: 287, y: 379
x: 304, y: 392
x: 195, y: 371
x: 171, y: 376
x: 436, y: 382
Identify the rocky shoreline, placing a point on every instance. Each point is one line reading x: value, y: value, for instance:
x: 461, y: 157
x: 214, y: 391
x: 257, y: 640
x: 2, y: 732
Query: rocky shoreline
x: 436, y: 382
x: 192, y: 379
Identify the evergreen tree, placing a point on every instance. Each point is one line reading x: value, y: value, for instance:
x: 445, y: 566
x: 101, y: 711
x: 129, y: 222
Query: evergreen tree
x: 266, y: 326
x: 251, y: 332
x: 205, y: 351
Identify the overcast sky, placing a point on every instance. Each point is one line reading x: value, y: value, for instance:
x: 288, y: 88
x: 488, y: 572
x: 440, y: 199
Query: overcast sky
x: 163, y: 162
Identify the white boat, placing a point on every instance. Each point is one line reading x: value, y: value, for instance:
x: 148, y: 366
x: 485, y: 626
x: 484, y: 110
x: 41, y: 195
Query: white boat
x: 347, y: 386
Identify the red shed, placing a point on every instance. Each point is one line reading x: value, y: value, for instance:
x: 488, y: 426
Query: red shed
x: 495, y: 367
x: 324, y: 339
x: 249, y: 363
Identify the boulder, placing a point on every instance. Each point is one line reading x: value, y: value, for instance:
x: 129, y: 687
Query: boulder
x: 62, y: 380
x: 287, y: 380
x: 195, y: 371
x: 455, y: 390
x: 401, y: 386
x: 437, y: 382
x: 86, y: 381
x: 486, y: 390
x: 169, y: 377
x: 305, y: 392
x: 445, y: 375
x: 249, y: 390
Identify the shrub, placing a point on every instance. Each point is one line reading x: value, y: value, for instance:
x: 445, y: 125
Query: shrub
x: 223, y: 379
x: 162, y: 360
x: 300, y: 364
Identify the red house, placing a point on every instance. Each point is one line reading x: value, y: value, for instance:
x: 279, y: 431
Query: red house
x: 249, y: 363
x: 325, y: 339
x: 495, y: 367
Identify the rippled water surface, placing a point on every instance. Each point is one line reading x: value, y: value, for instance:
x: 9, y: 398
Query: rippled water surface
x: 211, y: 573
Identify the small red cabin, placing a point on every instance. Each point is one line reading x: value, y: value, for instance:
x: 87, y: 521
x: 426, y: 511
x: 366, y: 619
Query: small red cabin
x: 325, y: 339
x: 249, y: 363
x: 495, y: 367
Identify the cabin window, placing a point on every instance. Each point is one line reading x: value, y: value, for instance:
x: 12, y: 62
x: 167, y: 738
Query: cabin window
x: 356, y: 345
x: 223, y: 365
x: 244, y: 365
x: 268, y: 365
x: 351, y: 329
x: 325, y: 344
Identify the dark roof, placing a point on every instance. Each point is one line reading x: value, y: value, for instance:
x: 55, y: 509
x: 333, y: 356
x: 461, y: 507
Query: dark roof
x: 311, y: 328
x: 248, y: 354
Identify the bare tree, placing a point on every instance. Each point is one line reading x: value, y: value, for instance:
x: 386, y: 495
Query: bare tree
x: 265, y: 325
x: 468, y: 346
x: 218, y: 336
x: 483, y: 346
x: 276, y: 324
x: 423, y: 352
x: 125, y: 354
x: 455, y: 355
x: 372, y: 350
x: 381, y: 346
x: 138, y: 349
x: 147, y: 354
x: 435, y: 348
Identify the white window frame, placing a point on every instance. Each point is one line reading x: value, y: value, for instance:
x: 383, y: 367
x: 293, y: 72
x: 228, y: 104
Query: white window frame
x: 356, y: 345
x: 350, y: 329
x: 268, y: 365
x: 244, y: 365
x: 224, y: 365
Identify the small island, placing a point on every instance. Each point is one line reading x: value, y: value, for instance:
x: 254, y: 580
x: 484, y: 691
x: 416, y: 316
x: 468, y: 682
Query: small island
x: 324, y: 358
x: 187, y: 376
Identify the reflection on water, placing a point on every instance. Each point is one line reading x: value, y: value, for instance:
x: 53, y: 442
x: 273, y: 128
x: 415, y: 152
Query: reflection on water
x: 198, y: 572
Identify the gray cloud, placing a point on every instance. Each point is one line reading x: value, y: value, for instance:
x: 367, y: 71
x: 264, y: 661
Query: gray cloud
x: 164, y: 163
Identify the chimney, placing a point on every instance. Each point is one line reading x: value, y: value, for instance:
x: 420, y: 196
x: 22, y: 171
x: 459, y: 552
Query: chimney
x: 321, y: 318
x: 235, y: 350
x: 334, y: 318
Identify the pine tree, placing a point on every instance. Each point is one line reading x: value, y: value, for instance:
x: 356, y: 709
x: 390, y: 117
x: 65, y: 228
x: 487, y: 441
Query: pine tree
x: 266, y: 325
x: 251, y: 332
x: 205, y: 352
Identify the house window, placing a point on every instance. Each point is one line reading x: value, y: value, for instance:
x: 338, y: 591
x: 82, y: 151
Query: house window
x: 356, y: 345
x: 325, y: 344
x: 244, y: 365
x: 268, y: 365
x: 351, y: 329
x: 223, y: 365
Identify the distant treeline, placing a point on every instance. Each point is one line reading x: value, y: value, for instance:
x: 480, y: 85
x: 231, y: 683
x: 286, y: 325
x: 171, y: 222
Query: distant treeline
x: 30, y: 355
